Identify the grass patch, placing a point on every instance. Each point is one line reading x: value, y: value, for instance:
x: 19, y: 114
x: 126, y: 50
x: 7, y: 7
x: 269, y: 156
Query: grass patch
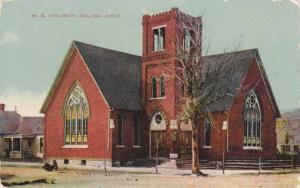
x: 39, y: 165
x: 267, y: 173
x: 86, y: 171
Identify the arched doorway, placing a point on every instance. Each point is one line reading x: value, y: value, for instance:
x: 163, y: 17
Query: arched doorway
x: 158, y: 136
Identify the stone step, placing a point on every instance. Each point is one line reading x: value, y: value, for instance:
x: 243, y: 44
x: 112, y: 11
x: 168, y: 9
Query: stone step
x: 169, y: 164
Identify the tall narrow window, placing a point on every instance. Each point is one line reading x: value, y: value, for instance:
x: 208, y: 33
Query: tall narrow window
x: 187, y: 39
x: 153, y: 87
x: 136, y: 130
x: 252, y: 118
x: 159, y: 39
x: 162, y: 86
x: 207, y: 132
x: 120, y: 130
x: 41, y: 145
x: 76, y: 112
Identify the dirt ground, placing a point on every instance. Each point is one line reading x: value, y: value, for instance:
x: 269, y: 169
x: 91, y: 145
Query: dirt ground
x: 98, y: 179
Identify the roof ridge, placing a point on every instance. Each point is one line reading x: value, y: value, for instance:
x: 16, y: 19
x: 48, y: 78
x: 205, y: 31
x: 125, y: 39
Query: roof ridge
x: 84, y: 43
x: 33, y: 116
x: 232, y: 52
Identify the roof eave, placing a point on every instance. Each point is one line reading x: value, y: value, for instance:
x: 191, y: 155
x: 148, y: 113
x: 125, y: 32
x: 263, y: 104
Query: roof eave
x: 57, y: 78
x: 267, y: 84
x: 97, y: 85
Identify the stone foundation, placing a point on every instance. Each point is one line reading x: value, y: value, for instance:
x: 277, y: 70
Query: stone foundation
x: 82, y: 163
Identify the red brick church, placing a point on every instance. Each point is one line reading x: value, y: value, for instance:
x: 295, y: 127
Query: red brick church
x: 106, y: 105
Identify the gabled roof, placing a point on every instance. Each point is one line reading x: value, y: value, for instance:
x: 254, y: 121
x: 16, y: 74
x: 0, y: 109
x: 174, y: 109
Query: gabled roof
x: 235, y: 65
x: 117, y: 75
x: 12, y: 123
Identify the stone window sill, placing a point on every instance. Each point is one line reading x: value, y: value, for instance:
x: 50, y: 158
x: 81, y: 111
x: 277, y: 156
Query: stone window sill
x: 136, y: 146
x: 120, y: 146
x: 162, y: 50
x: 207, y: 147
x: 252, y: 148
x: 158, y: 98
x: 75, y: 146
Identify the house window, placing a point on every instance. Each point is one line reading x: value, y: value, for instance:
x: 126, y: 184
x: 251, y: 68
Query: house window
x: 41, y: 145
x: 29, y: 143
x: 76, y: 112
x: 153, y: 87
x: 16, y: 144
x: 162, y: 86
x: 207, y: 132
x: 120, y: 130
x: 187, y: 39
x: 136, y: 129
x: 159, y: 39
x: 252, y: 118
x: 83, y: 162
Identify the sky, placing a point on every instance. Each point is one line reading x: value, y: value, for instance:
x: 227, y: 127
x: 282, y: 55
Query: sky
x: 35, y: 36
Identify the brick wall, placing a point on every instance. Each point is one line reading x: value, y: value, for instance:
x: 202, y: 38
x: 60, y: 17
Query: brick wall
x: 253, y: 80
x: 128, y: 151
x: 76, y: 71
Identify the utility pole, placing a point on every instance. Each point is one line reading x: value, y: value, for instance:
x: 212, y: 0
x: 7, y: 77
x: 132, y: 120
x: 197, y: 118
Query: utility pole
x: 224, y: 128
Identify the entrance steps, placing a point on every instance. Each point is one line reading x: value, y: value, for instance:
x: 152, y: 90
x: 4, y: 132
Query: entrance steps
x: 170, y: 164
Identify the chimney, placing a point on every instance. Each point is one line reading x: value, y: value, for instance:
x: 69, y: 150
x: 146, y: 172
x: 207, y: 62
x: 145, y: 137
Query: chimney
x: 2, y: 107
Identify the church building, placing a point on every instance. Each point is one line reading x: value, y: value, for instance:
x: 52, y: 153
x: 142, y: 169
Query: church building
x: 106, y: 105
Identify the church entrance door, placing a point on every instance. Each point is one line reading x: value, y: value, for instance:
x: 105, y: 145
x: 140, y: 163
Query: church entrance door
x: 158, y: 142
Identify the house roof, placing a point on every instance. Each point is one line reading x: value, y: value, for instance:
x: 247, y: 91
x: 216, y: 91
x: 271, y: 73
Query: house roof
x: 30, y: 126
x: 12, y: 123
x: 235, y: 66
x: 9, y: 122
x: 117, y: 75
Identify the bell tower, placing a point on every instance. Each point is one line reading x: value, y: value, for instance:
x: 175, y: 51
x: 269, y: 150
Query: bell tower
x: 160, y: 88
x: 158, y: 38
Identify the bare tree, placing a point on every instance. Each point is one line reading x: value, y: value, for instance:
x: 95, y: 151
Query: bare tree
x: 204, y: 83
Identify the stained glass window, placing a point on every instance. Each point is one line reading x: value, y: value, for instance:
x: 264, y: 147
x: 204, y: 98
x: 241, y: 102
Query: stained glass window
x: 76, y: 112
x: 252, y: 118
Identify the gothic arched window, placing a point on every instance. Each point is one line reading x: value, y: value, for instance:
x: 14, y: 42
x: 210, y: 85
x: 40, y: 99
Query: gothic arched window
x: 76, y: 112
x: 252, y: 118
x: 187, y: 40
x: 162, y: 86
x: 153, y: 87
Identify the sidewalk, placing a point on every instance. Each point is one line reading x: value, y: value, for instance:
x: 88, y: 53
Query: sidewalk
x: 151, y: 170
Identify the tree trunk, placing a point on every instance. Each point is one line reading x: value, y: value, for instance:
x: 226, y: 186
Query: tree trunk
x: 195, y: 150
